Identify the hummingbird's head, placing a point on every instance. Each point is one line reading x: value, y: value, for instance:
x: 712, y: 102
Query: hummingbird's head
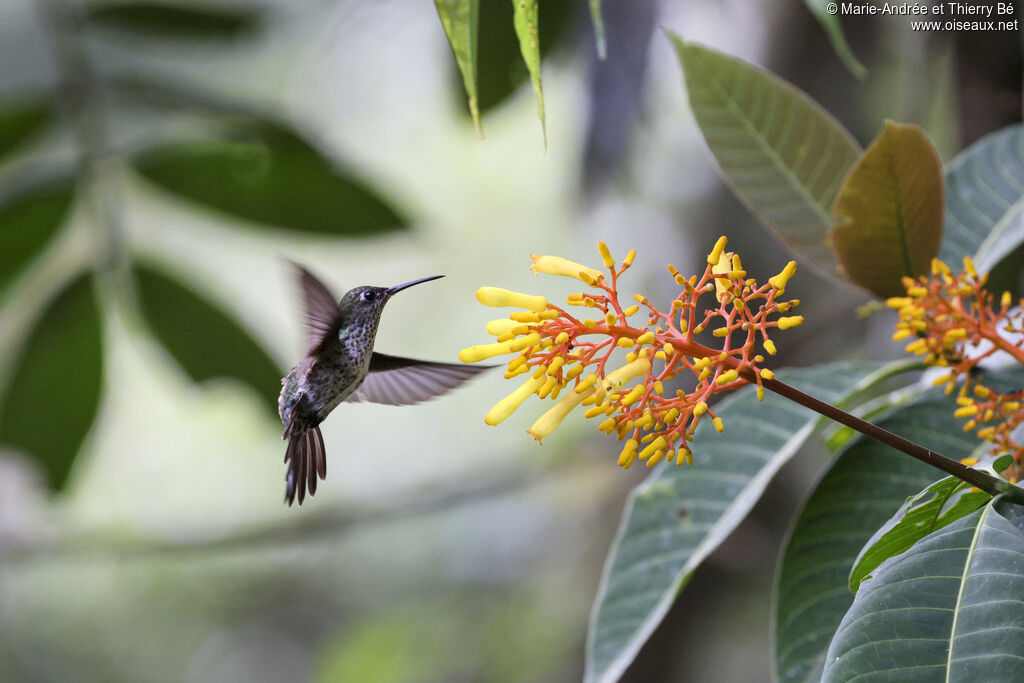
x: 369, y: 301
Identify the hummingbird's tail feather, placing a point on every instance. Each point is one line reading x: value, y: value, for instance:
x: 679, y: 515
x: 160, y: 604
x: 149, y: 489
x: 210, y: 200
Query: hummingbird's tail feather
x: 306, y: 459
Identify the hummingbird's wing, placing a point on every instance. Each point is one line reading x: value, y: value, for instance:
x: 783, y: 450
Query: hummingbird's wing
x: 403, y: 381
x: 323, y: 315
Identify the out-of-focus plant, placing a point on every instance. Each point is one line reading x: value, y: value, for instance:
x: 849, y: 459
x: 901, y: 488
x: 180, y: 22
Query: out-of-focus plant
x: 857, y: 595
x: 485, y: 64
x: 226, y: 157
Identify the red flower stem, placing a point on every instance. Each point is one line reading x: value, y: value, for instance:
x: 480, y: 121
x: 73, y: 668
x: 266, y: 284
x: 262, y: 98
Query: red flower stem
x: 986, y: 482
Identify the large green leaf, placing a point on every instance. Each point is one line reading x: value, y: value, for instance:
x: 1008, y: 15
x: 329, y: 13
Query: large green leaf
x: 859, y: 492
x: 984, y: 195
x: 939, y: 505
x: 948, y: 609
x: 830, y: 22
x: 784, y: 156
x: 183, y: 20
x: 500, y: 67
x: 526, y: 20
x: 270, y: 175
x: 51, y: 401
x: 20, y: 118
x: 889, y: 211
x: 28, y: 221
x: 680, y: 514
x: 461, y: 21
x: 206, y: 341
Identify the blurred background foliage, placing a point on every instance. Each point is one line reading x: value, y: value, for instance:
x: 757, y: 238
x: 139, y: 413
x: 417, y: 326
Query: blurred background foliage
x: 158, y: 165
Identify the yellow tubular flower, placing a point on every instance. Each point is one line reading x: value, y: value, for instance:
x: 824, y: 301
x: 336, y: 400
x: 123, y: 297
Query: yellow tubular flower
x: 790, y: 321
x: 780, y: 280
x: 628, y: 454
x: 556, y: 265
x: 529, y: 340
x: 716, y: 253
x: 606, y: 255
x: 769, y: 346
x: 498, y: 297
x: 656, y: 444
x: 628, y: 261
x: 615, y: 379
x: 506, y: 406
x: 475, y: 354
x: 502, y: 326
x: 547, y: 422
x: 723, y: 267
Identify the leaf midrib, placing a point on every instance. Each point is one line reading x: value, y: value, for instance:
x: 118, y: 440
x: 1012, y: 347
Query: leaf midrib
x: 963, y: 582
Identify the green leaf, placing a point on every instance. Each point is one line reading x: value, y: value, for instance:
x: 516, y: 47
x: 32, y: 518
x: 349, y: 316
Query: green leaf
x: 525, y: 20
x: 461, y: 21
x: 28, y: 221
x: 889, y: 211
x: 984, y: 195
x: 500, y: 68
x: 20, y: 118
x: 939, y: 505
x: 205, y: 341
x: 830, y: 22
x: 1006, y: 237
x: 52, y: 399
x: 181, y: 21
x: 852, y: 500
x: 679, y: 515
x: 270, y: 175
x: 597, y: 19
x: 784, y: 156
x: 948, y: 609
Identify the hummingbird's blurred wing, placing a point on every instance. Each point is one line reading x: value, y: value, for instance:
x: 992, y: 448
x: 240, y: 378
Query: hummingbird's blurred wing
x: 403, y: 381
x: 322, y: 310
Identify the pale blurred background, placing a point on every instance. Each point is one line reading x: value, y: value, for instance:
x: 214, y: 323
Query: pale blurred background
x: 438, y: 549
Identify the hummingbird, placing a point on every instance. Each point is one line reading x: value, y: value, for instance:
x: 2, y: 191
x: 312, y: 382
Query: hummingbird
x: 342, y: 365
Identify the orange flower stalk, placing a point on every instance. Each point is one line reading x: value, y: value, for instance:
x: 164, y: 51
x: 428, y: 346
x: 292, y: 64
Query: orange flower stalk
x: 570, y: 356
x: 955, y: 323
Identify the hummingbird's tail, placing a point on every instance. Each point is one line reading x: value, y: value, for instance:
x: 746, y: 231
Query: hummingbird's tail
x: 306, y: 459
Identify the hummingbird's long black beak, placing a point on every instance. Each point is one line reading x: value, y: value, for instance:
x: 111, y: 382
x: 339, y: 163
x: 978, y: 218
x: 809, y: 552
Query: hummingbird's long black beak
x: 398, y: 288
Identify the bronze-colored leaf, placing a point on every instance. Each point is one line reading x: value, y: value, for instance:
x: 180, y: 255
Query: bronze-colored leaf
x: 889, y: 210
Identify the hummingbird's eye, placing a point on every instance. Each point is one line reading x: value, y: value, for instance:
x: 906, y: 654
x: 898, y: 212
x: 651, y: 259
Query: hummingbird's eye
x: 369, y: 295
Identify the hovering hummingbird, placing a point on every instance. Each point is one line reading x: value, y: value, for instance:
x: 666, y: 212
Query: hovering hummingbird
x: 341, y: 365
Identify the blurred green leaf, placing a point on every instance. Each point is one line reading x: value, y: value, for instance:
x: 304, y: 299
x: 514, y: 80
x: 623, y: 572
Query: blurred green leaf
x: 852, y: 500
x: 939, y: 505
x: 461, y: 21
x: 948, y: 609
x: 183, y: 21
x: 20, y: 118
x: 270, y: 175
x: 984, y: 189
x: 783, y: 155
x: 1006, y: 237
x: 50, y: 403
x: 206, y: 341
x: 597, y: 19
x: 679, y: 515
x: 889, y: 211
x: 526, y: 21
x: 500, y: 67
x: 28, y: 221
x: 834, y: 30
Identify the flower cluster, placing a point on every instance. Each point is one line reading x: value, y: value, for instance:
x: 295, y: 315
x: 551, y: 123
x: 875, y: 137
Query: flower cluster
x: 955, y: 323
x: 566, y: 355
